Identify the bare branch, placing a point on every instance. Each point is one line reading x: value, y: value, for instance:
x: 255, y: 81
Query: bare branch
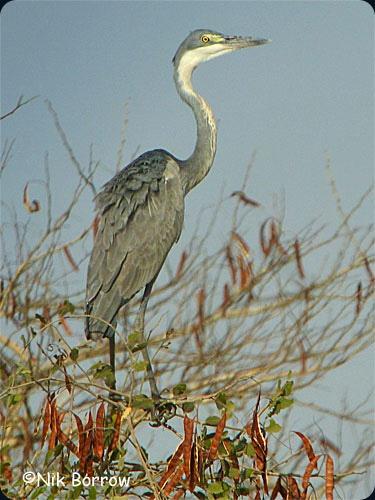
x: 19, y: 105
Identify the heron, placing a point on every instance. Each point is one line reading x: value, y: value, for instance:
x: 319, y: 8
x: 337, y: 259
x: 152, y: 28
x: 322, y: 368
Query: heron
x: 141, y: 209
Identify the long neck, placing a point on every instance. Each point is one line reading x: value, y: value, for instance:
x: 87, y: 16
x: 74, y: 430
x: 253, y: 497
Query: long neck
x: 197, y: 166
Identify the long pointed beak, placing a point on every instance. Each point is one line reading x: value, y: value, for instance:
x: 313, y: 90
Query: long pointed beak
x: 241, y: 42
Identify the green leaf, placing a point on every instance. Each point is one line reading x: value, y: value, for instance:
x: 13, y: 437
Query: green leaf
x: 229, y: 408
x: 4, y: 450
x: 48, y: 457
x: 66, y: 308
x: 273, y: 426
x: 242, y: 491
x: 288, y: 387
x: 140, y: 366
x: 248, y: 473
x: 138, y: 347
x: 74, y: 353
x: 77, y: 491
x: 227, y: 449
x: 23, y: 371
x: 92, y: 493
x: 280, y: 401
x: 234, y: 473
x: 212, y: 420
x: 221, y: 401
x: 188, y: 407
x: 103, y: 371
x: 179, y: 389
x: 134, y: 338
x: 114, y: 454
x: 249, y: 451
x: 97, y: 366
x: 121, y: 463
x: 38, y: 492
x: 222, y: 451
x: 142, y: 401
x: 226, y: 487
x: 13, y: 399
x: 54, y: 369
x: 215, y: 488
x: 285, y: 403
x: 206, y: 443
x: 57, y: 450
x: 240, y: 446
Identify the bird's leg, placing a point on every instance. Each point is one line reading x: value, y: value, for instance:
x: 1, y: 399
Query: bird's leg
x: 112, y: 362
x: 163, y: 410
x: 140, y: 329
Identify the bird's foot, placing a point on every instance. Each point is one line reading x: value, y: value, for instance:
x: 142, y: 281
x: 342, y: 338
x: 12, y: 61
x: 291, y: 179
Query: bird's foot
x: 162, y: 411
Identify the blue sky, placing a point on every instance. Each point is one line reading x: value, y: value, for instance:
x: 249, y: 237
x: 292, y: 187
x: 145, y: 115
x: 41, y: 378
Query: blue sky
x: 307, y: 95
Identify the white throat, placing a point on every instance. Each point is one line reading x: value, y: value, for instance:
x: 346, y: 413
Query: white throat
x: 193, y: 58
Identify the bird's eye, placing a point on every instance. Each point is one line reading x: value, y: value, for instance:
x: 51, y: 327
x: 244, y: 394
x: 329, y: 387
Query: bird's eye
x: 205, y: 38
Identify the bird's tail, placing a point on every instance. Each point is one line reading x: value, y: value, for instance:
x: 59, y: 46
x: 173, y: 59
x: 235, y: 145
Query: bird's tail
x: 101, y: 315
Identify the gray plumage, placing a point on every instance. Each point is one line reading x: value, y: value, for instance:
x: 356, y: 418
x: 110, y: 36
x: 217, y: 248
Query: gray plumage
x: 141, y: 213
x: 142, y: 208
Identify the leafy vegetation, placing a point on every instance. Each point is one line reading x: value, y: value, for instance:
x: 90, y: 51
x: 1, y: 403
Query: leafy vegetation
x: 237, y: 332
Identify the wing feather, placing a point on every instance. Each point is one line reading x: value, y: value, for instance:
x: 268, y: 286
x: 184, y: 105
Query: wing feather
x: 141, y: 211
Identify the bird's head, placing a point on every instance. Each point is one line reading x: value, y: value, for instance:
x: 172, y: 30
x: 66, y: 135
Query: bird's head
x: 202, y: 45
